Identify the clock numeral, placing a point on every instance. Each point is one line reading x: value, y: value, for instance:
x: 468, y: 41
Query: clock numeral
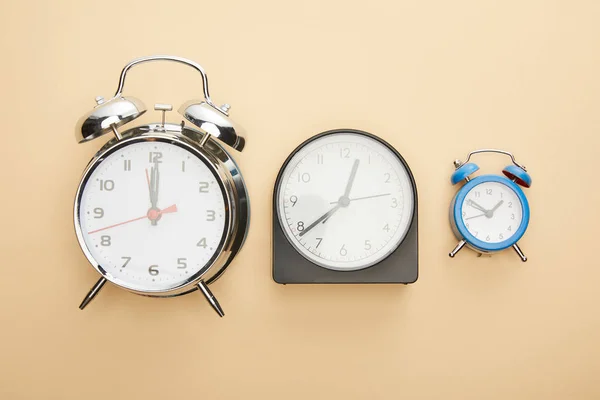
x: 487, y: 238
x: 293, y: 200
x: 127, y: 259
x: 512, y: 216
x: 500, y: 236
x: 345, y: 152
x: 98, y: 212
x: 386, y: 177
x: 107, y: 185
x: 368, y: 245
x: 343, y: 250
x: 488, y: 191
x: 153, y: 270
x: 182, y: 263
x: 155, y: 156
x: 204, y: 187
x: 386, y: 228
x: 305, y: 177
x: 510, y: 204
x: 202, y: 243
x: 210, y: 215
x: 477, y: 193
x: 509, y: 228
x: 300, y: 226
x: 475, y: 233
x: 319, y: 158
x: 394, y: 203
x: 318, y: 244
x: 183, y: 166
x: 464, y: 213
x: 105, y: 240
x: 127, y: 165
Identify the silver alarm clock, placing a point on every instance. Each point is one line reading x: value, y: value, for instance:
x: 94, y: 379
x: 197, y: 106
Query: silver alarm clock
x: 162, y: 209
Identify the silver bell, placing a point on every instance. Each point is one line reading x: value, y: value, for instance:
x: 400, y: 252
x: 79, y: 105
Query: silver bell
x: 214, y: 121
x: 106, y: 115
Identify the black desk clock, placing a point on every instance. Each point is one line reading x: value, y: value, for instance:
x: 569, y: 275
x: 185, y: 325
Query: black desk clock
x: 345, y: 211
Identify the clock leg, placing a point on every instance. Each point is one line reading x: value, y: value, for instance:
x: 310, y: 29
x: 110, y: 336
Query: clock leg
x: 92, y: 293
x: 519, y: 252
x: 211, y: 298
x: 458, y: 247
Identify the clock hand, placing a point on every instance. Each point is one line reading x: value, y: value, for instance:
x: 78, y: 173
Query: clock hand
x: 475, y: 216
x: 152, y: 215
x: 363, y: 198
x: 322, y: 218
x: 495, y: 208
x: 156, y: 183
x: 345, y: 200
x: 149, y: 185
x: 351, y: 179
x: 477, y: 206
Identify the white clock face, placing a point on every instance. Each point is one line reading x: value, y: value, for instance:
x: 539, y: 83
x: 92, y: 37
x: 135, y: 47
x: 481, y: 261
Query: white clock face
x: 345, y: 201
x: 152, y: 214
x: 492, y: 212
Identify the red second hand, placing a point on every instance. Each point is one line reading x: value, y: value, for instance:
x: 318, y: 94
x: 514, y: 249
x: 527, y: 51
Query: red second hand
x: 168, y: 210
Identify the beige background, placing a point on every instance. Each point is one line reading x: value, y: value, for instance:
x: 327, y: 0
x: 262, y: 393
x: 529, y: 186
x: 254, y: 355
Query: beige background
x: 434, y: 78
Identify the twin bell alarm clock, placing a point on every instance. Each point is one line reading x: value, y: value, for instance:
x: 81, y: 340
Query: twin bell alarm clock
x: 162, y: 209
x: 489, y: 213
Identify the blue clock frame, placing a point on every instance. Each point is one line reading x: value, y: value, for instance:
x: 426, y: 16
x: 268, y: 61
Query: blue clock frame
x: 462, y: 230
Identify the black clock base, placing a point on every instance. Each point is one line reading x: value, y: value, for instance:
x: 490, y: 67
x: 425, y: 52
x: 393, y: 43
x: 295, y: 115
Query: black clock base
x: 401, y: 266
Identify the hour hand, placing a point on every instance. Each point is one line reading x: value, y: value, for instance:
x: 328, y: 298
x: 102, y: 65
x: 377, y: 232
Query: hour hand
x: 154, y: 185
x: 322, y: 218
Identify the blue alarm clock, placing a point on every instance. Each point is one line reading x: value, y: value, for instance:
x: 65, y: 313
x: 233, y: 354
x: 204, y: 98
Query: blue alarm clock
x: 489, y: 213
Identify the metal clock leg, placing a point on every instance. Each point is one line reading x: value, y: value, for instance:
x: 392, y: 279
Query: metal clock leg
x: 92, y: 293
x: 519, y: 252
x: 458, y: 247
x: 211, y: 298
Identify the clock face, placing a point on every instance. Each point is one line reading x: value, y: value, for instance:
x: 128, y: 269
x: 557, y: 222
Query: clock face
x: 152, y: 215
x: 345, y: 201
x: 492, y: 212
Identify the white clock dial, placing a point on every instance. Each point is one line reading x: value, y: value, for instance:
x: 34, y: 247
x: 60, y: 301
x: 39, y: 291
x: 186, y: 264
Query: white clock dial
x: 345, y: 201
x: 152, y: 215
x: 492, y: 212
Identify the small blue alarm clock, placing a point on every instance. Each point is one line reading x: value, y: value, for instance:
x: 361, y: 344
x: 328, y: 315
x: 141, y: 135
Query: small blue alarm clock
x: 490, y: 212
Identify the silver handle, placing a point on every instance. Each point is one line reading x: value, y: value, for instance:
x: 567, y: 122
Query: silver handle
x: 181, y: 60
x: 496, y: 151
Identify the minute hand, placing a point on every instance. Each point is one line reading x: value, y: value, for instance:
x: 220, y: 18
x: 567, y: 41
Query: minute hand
x: 477, y: 206
x: 352, y: 176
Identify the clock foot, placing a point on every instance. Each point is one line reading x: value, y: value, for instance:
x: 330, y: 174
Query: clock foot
x: 92, y: 293
x: 519, y: 252
x: 211, y: 298
x: 458, y: 247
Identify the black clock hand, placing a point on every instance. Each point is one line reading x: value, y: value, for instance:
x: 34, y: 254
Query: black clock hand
x: 322, y: 218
